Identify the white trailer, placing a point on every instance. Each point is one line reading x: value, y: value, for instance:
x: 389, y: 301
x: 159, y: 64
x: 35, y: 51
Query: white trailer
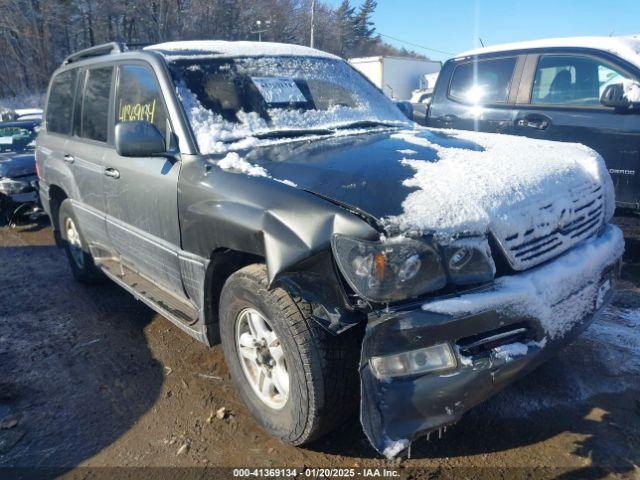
x: 397, y: 77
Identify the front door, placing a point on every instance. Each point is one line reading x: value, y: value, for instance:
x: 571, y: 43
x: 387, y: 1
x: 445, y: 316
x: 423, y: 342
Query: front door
x: 141, y: 194
x: 561, y: 101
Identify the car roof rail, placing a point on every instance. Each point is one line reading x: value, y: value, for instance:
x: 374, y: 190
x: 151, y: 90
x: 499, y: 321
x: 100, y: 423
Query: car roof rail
x: 96, y: 51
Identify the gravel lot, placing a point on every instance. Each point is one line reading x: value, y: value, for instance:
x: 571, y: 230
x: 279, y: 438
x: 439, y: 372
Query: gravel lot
x: 90, y: 378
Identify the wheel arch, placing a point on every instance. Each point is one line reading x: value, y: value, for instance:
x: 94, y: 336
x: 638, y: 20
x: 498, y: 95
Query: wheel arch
x: 56, y: 196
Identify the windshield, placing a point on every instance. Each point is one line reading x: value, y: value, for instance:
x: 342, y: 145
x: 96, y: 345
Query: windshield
x: 227, y: 100
x: 17, y: 138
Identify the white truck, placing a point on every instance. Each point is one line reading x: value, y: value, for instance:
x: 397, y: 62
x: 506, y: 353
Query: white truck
x: 397, y: 77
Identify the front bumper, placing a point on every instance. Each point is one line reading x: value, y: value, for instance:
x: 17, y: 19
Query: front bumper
x: 499, y: 334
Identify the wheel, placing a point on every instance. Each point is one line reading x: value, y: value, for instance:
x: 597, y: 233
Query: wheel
x: 297, y: 380
x: 82, y: 266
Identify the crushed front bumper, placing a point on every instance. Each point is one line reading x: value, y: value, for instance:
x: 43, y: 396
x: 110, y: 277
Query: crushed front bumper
x: 498, y: 334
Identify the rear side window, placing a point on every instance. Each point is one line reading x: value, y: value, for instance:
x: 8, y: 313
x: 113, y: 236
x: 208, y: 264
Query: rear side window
x: 483, y: 82
x: 60, y: 107
x: 95, y: 104
x: 138, y: 97
x: 572, y: 80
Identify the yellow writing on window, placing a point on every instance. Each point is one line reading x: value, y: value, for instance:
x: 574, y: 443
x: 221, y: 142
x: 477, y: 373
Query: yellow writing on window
x: 131, y: 112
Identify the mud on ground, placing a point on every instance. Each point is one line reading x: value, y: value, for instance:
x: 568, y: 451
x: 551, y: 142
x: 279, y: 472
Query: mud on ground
x: 91, y: 378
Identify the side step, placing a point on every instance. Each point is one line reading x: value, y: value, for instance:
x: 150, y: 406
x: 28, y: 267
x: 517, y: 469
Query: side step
x: 179, y: 312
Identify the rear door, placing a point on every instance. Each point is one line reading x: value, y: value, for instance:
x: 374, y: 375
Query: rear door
x: 141, y: 194
x: 559, y: 99
x: 477, y: 94
x: 85, y: 152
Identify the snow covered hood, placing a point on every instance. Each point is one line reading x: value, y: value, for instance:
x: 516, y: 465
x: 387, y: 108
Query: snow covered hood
x: 223, y: 49
x: 442, y: 182
x: 626, y: 47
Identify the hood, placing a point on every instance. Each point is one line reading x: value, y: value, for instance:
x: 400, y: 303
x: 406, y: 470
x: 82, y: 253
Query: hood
x: 444, y: 182
x: 20, y: 165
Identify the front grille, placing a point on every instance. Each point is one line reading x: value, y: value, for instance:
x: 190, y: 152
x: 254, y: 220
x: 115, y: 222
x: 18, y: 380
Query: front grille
x: 559, y: 226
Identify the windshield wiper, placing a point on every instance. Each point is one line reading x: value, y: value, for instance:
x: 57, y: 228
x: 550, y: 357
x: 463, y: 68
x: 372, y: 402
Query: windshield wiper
x: 365, y: 124
x: 293, y: 133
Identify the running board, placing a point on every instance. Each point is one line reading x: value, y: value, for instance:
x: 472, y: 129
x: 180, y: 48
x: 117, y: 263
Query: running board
x: 179, y: 312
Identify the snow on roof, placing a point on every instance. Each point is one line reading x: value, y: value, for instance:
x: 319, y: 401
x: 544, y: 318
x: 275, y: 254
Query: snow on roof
x: 626, y: 47
x: 222, y: 48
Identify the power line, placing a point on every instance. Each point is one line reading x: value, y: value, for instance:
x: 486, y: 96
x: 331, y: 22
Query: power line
x: 415, y: 44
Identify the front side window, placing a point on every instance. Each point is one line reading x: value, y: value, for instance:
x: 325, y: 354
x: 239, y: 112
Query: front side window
x: 229, y: 99
x: 60, y: 107
x: 95, y: 104
x: 483, y: 82
x: 572, y: 80
x: 139, y: 98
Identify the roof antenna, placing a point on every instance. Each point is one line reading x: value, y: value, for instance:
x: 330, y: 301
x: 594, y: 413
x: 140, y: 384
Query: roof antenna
x: 612, y: 32
x: 481, y: 42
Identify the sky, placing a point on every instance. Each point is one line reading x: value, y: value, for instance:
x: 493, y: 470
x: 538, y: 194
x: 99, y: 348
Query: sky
x: 454, y: 26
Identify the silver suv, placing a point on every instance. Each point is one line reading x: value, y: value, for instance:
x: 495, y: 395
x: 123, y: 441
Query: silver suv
x: 269, y: 197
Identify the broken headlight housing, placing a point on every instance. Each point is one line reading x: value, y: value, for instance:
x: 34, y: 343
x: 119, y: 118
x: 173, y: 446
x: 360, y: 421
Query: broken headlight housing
x: 402, y: 268
x: 9, y: 186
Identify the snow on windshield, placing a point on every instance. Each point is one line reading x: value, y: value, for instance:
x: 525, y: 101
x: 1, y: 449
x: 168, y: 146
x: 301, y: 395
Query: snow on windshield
x: 475, y: 188
x: 232, y: 101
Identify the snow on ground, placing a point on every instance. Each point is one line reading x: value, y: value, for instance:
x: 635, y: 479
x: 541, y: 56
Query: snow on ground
x: 541, y: 292
x: 468, y: 190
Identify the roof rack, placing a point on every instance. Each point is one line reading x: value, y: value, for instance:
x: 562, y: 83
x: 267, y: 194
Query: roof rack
x: 96, y: 51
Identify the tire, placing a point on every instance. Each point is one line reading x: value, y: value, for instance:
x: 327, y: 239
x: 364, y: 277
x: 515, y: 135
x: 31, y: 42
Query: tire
x: 322, y: 369
x: 81, y: 262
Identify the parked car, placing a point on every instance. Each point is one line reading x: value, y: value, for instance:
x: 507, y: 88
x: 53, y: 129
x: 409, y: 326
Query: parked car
x: 582, y: 90
x: 18, y: 178
x: 270, y: 197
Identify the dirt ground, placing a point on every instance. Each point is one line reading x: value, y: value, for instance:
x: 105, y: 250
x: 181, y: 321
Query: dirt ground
x: 91, y: 381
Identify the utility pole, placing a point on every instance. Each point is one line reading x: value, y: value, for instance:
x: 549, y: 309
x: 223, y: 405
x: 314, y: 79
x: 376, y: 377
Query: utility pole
x: 313, y: 13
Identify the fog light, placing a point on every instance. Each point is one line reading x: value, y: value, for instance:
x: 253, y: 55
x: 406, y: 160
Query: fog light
x: 429, y: 359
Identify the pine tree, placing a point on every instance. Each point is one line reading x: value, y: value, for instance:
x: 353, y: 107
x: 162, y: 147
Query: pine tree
x: 364, y: 26
x: 346, y: 26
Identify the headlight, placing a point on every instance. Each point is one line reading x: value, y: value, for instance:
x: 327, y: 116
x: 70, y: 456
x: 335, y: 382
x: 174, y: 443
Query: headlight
x: 391, y: 270
x: 469, y: 261
x: 403, y: 268
x: 430, y: 359
x: 13, y: 187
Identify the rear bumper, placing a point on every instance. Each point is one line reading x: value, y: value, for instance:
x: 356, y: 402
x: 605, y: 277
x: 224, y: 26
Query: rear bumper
x: 545, y: 308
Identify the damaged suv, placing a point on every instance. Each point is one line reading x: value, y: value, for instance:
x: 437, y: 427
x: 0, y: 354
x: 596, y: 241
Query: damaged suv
x: 269, y: 197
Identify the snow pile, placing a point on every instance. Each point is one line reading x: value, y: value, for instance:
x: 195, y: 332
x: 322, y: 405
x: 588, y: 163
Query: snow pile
x: 407, y: 151
x: 394, y: 447
x: 626, y: 47
x: 631, y: 90
x: 510, y: 351
x: 223, y: 49
x: 490, y: 184
x: 234, y: 162
x: 559, y: 294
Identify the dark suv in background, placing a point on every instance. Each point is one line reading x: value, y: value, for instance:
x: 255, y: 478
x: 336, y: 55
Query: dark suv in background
x: 582, y: 90
x: 269, y: 197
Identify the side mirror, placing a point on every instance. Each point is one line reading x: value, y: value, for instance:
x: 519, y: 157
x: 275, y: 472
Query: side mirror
x: 139, y: 139
x: 615, y: 96
x: 406, y: 108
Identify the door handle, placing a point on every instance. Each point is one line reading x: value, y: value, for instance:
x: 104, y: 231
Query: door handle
x: 537, y: 122
x: 69, y: 158
x: 112, y: 172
